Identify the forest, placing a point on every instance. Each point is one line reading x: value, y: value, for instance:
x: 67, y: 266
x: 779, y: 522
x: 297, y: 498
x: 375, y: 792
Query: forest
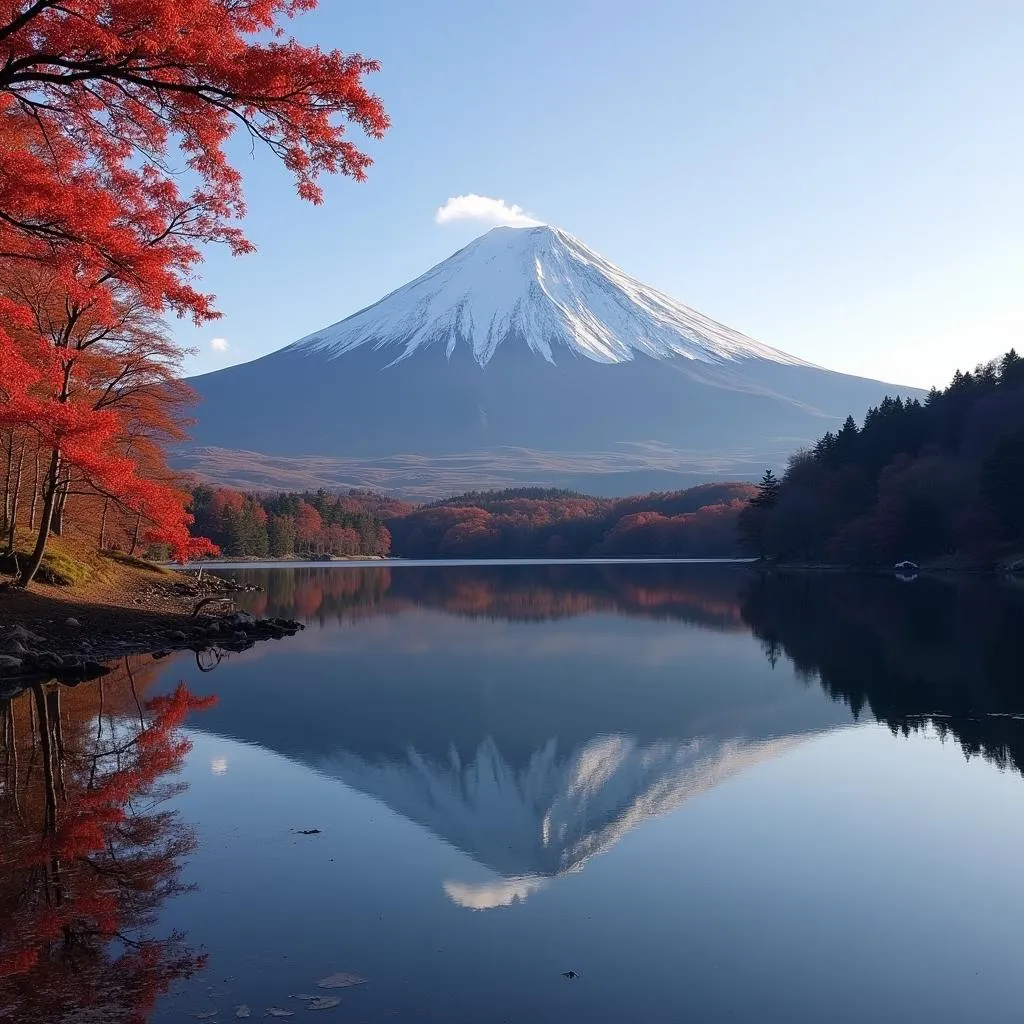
x: 307, y: 525
x: 520, y: 523
x: 916, y: 480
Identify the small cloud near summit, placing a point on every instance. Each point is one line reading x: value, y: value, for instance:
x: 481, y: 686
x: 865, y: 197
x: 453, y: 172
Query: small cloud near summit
x: 485, y: 209
x: 219, y: 344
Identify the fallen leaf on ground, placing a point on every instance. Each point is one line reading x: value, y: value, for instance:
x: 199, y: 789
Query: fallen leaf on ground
x: 243, y: 1011
x: 341, y: 980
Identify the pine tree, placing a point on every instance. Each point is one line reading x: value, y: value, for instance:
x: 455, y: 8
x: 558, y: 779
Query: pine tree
x: 768, y: 491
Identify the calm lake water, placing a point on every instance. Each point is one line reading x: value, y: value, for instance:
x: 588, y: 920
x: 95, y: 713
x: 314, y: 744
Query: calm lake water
x: 711, y: 795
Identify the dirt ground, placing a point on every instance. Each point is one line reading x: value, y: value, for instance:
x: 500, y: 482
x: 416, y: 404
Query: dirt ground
x: 119, y: 603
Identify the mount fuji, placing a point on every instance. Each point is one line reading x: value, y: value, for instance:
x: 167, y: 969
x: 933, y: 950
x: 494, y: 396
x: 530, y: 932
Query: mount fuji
x: 524, y: 358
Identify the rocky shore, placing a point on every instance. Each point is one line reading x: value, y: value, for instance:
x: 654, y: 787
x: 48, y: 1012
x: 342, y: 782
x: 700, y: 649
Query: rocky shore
x: 54, y: 636
x: 27, y: 656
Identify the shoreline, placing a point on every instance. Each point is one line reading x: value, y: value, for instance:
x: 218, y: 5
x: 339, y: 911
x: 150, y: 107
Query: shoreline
x: 940, y: 570
x: 69, y: 634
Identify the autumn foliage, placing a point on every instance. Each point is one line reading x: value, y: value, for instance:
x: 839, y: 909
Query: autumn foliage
x: 528, y: 522
x: 88, y: 849
x: 537, y: 523
x: 306, y: 525
x: 114, y: 121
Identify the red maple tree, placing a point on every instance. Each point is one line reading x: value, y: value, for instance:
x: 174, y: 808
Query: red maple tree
x: 106, y: 107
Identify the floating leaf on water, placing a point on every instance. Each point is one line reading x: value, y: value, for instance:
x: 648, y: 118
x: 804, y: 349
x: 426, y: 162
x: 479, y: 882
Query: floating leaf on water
x: 302, y: 995
x: 243, y: 1011
x: 323, y: 1003
x: 208, y: 1015
x: 276, y: 1011
x: 341, y: 980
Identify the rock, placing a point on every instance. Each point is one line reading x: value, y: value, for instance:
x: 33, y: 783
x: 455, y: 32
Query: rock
x: 22, y: 635
x: 47, y: 660
x: 240, y: 635
x: 176, y: 635
x: 72, y: 622
x: 242, y: 619
x: 15, y: 648
x: 10, y: 665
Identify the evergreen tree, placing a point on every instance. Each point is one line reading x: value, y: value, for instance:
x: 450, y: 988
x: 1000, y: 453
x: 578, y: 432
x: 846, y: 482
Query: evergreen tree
x: 768, y: 491
x: 282, y: 536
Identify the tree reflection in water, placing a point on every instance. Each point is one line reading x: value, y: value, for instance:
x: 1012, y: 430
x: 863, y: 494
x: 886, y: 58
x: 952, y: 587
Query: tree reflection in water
x: 707, y: 595
x: 88, y: 852
x: 940, y: 654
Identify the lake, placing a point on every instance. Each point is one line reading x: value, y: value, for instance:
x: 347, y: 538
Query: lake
x: 702, y: 793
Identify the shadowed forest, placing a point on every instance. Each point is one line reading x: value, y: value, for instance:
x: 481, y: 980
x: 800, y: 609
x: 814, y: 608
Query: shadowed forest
x: 917, y: 480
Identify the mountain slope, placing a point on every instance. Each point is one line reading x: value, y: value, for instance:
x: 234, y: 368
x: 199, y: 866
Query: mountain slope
x: 528, y: 342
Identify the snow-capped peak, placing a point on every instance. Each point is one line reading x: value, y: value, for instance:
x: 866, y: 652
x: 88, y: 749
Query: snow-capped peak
x: 542, y: 287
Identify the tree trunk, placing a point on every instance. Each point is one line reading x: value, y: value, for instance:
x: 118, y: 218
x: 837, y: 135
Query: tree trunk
x: 35, y: 495
x: 15, y: 499
x: 58, y: 512
x: 103, y: 525
x: 50, y: 485
x: 135, y: 535
x: 45, y: 738
x: 7, y: 482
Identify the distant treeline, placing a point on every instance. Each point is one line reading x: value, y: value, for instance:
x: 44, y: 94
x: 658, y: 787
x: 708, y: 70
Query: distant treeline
x: 527, y: 522
x: 309, y: 524
x: 539, y: 523
x: 918, y: 480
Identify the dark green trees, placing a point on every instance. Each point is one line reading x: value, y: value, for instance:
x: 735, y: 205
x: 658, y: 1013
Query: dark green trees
x: 1002, y: 484
x: 915, y: 480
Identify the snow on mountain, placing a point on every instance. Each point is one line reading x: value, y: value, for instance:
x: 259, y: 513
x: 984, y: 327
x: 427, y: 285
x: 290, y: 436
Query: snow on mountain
x: 546, y: 288
x: 551, y: 816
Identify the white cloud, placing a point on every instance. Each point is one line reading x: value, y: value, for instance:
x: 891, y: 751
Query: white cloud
x: 219, y: 344
x: 483, y: 208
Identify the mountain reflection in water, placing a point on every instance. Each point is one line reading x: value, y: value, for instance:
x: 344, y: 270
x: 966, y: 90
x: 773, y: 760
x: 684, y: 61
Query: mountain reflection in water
x: 441, y: 692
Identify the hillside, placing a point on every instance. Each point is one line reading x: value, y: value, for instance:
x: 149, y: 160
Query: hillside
x: 522, y: 523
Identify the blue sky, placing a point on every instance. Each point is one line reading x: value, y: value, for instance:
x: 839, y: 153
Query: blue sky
x: 844, y: 181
